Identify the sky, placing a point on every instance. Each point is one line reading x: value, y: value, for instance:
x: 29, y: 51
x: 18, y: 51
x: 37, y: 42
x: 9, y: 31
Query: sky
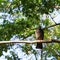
x: 56, y: 16
x: 57, y: 19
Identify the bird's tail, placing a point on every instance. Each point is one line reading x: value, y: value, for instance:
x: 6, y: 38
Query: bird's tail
x: 39, y: 46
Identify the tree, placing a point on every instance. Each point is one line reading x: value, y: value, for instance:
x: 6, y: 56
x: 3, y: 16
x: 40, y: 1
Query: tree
x: 25, y: 16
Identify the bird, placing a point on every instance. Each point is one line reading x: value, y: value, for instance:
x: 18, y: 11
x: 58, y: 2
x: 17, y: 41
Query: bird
x: 39, y: 33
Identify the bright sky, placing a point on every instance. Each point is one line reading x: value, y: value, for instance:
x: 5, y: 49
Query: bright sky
x: 7, y: 16
x: 57, y: 19
x: 56, y: 16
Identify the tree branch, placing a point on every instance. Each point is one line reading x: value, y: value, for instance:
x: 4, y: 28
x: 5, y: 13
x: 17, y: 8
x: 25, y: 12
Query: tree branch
x: 57, y: 7
x: 51, y: 26
x: 30, y: 42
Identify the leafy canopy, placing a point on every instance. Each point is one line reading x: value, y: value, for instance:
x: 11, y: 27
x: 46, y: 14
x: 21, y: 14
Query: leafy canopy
x: 26, y: 15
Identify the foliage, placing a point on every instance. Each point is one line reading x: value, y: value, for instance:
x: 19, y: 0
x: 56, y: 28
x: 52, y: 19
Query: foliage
x: 13, y: 57
x: 26, y: 16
